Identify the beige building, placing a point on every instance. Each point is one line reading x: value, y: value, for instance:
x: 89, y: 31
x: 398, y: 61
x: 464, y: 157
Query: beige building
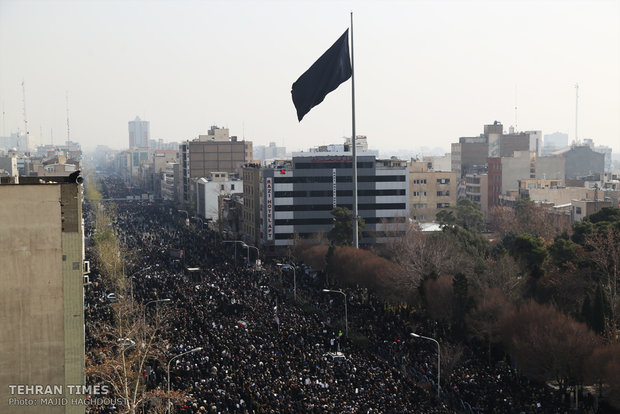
x: 477, y: 190
x: 217, y: 151
x: 42, y: 295
x: 430, y: 191
x: 250, y: 218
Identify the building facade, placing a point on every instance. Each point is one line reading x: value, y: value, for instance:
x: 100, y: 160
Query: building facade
x: 297, y: 202
x: 430, y: 191
x: 209, y: 189
x: 42, y: 295
x: 250, y: 218
x: 139, y: 133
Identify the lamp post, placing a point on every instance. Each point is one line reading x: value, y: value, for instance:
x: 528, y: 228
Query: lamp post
x: 172, y: 359
x: 287, y: 267
x: 248, y: 247
x: 153, y: 301
x: 131, y: 277
x: 346, y: 316
x: 438, y: 359
x: 235, y: 242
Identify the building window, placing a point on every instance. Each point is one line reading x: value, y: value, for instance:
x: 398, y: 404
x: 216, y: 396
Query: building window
x: 443, y: 205
x: 443, y: 193
x: 232, y: 187
x: 420, y: 181
x: 443, y: 181
x: 419, y: 193
x: 221, y: 187
x: 578, y: 210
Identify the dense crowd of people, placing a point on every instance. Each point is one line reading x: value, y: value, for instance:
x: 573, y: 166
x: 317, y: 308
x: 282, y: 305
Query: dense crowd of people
x: 262, y: 351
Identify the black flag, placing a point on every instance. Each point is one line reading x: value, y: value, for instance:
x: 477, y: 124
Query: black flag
x: 325, y: 75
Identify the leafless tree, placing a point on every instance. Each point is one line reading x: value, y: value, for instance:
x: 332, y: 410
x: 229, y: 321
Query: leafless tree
x: 548, y: 345
x: 605, y: 253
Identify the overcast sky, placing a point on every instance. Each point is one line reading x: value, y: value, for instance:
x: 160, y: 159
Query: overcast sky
x: 426, y: 72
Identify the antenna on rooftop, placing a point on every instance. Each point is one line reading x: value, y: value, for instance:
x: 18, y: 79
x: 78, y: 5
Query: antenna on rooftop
x: 576, y: 113
x: 25, y: 117
x: 516, y: 129
x: 68, y: 130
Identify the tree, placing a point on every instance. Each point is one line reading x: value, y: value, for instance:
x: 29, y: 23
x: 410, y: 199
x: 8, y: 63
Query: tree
x: 122, y: 346
x: 600, y: 311
x: 484, y: 321
x: 439, y: 298
x: 604, y: 246
x: 564, y: 251
x: 342, y: 232
x: 466, y: 214
x: 462, y: 304
x: 531, y: 250
x: 547, y: 344
x: 603, y: 367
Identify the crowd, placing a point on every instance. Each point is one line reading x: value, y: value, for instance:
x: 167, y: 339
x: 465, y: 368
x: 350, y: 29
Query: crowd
x: 264, y: 352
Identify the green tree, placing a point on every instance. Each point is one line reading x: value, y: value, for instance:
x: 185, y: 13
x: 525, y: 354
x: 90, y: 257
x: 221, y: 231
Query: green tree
x: 466, y: 214
x: 531, y: 250
x: 600, y: 310
x: 342, y: 232
x: 563, y: 251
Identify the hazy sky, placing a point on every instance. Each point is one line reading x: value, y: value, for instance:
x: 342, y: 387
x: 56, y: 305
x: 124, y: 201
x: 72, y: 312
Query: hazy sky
x: 426, y: 72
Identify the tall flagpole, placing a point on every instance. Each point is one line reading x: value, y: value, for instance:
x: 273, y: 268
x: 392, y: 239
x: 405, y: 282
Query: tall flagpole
x: 354, y: 150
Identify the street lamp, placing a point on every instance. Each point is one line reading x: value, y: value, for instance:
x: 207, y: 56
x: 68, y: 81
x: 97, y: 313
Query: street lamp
x: 248, y: 247
x: 438, y: 359
x: 131, y: 278
x: 153, y: 301
x: 346, y: 316
x: 235, y: 242
x: 287, y: 267
x: 172, y: 359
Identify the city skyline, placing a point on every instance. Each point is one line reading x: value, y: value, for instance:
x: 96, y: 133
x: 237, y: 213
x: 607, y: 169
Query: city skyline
x: 426, y: 73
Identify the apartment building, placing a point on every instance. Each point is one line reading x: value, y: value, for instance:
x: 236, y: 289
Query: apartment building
x: 430, y: 191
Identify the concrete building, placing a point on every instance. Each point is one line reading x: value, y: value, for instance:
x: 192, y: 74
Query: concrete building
x: 477, y: 190
x: 506, y: 172
x: 439, y: 162
x: 601, y: 149
x: 209, y: 188
x: 171, y: 183
x: 216, y: 151
x: 429, y: 191
x: 297, y: 202
x: 42, y: 295
x: 139, y: 133
x: 582, y: 162
x: 8, y: 166
x: 155, y: 174
x: 270, y: 152
x: 469, y: 155
x: 583, y: 208
x: 250, y: 218
x: 21, y: 142
x: 561, y: 195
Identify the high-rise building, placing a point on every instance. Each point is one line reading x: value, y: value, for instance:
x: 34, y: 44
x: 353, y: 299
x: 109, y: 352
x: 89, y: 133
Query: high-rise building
x: 139, y: 133
x: 42, y: 295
